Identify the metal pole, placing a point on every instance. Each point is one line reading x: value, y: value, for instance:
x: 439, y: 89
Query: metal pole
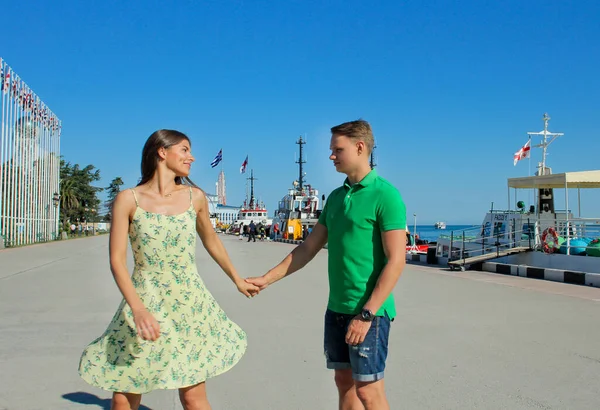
x: 529, y: 232
x: 568, y: 233
x: 463, y: 248
x: 514, y: 233
x: 483, y: 239
x: 415, y: 232
x: 55, y: 235
x: 498, y: 243
x: 57, y: 221
x: 579, y: 200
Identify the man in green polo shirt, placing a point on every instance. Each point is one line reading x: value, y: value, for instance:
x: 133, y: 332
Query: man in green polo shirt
x: 364, y: 224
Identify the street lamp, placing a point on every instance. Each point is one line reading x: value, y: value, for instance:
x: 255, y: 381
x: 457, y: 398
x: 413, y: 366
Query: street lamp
x: 90, y: 216
x: 93, y: 221
x: 415, y: 231
x: 56, y: 201
x: 413, y: 248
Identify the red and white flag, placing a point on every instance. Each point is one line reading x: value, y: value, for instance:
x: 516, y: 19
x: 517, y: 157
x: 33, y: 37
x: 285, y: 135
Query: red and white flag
x: 6, y: 84
x: 523, y: 152
x: 244, y: 165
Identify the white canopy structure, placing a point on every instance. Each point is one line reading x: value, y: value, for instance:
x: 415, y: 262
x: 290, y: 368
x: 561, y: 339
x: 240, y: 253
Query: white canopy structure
x: 582, y: 179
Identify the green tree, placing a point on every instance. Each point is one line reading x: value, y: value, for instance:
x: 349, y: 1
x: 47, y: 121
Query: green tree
x: 113, y: 190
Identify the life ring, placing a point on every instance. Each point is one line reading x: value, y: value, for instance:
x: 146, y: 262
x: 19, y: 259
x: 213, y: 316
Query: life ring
x: 549, y: 245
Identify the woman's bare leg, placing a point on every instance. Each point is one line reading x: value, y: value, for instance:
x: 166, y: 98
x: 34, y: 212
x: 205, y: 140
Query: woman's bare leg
x: 194, y: 397
x: 126, y: 401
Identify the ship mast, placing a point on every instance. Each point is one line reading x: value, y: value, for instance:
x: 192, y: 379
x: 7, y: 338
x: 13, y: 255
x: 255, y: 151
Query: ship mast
x: 252, y: 179
x: 544, y: 145
x: 372, y: 160
x: 300, y: 161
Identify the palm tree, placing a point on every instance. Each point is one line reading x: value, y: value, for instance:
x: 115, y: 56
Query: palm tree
x: 68, y: 197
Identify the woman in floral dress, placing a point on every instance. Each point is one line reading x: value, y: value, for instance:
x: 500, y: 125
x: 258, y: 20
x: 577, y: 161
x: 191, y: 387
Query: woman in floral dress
x: 168, y: 332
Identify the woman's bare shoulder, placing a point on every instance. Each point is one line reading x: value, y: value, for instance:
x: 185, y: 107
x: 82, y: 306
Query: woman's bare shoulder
x: 198, y: 193
x: 126, y: 197
x: 198, y: 198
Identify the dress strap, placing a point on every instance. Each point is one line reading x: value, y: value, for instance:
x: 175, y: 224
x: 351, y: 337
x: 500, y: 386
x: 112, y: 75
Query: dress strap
x: 191, y: 199
x: 135, y: 197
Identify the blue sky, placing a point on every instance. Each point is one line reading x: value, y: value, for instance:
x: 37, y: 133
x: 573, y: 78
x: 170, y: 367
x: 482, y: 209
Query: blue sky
x: 450, y: 88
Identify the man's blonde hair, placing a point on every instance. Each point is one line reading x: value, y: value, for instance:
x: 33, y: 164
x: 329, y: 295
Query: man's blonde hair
x: 358, y: 130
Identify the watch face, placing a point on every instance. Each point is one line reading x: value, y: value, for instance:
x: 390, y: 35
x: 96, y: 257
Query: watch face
x: 367, y: 315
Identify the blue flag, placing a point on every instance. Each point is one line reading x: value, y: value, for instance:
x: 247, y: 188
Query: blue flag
x: 217, y: 159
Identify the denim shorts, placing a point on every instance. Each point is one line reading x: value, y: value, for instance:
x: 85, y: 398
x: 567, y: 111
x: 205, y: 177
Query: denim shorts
x: 367, y: 360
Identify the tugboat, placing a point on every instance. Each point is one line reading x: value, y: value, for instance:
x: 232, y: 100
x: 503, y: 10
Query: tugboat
x: 252, y: 210
x: 300, y: 207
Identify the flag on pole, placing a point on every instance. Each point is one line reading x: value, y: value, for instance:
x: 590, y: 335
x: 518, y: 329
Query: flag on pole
x: 6, y: 83
x: 217, y: 159
x: 2, y: 73
x: 244, y: 165
x: 523, y: 152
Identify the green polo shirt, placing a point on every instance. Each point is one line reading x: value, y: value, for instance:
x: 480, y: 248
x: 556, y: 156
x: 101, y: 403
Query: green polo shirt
x: 355, y: 216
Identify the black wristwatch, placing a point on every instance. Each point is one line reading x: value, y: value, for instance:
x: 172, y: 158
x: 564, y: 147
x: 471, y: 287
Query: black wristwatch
x: 367, y: 315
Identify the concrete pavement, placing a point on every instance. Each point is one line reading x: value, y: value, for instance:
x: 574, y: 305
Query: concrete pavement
x: 462, y: 340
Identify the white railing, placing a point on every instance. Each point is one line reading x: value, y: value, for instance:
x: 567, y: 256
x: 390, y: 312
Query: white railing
x: 471, y: 242
x: 574, y: 234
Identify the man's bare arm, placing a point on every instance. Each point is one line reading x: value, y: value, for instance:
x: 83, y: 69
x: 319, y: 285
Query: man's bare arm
x: 296, y: 259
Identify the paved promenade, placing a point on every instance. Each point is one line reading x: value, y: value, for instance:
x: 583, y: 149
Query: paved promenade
x: 462, y: 340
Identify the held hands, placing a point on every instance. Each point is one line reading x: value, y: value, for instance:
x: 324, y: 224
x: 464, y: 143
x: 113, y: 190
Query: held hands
x: 252, y: 286
x: 246, y: 288
x: 146, y: 324
x: 357, y: 331
x: 260, y: 282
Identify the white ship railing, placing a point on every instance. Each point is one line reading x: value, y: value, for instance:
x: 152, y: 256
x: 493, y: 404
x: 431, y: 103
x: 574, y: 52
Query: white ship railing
x: 470, y: 242
x: 586, y: 229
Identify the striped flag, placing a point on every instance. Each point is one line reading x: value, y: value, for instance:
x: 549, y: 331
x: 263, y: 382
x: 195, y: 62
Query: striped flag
x: 217, y: 159
x: 523, y: 152
x: 244, y: 165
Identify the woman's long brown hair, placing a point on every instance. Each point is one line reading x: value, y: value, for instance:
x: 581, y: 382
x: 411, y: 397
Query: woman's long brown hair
x: 161, y: 139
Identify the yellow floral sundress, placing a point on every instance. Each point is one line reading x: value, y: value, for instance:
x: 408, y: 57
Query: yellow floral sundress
x: 197, y: 340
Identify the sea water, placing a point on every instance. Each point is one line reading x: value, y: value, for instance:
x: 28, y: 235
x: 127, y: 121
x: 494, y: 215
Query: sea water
x: 429, y: 233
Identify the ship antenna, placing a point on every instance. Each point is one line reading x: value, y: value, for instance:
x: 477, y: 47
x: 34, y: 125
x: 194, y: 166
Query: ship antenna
x: 300, y: 161
x: 545, y: 143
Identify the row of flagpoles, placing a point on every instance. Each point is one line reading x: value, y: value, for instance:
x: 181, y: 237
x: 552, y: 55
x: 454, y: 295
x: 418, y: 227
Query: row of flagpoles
x: 25, y: 99
x: 219, y: 158
x: 29, y: 163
